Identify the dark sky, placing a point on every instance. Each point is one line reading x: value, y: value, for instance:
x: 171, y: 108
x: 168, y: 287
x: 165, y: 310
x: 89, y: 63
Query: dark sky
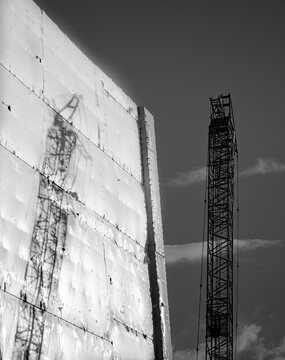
x: 171, y: 56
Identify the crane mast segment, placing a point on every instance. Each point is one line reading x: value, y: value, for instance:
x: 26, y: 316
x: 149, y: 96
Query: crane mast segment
x: 221, y: 163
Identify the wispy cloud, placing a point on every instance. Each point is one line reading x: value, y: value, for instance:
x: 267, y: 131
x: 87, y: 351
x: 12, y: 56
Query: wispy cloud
x: 250, y: 345
x: 191, y: 253
x: 263, y: 167
x: 198, y: 175
x: 253, y: 244
x: 183, y: 179
x: 248, y: 337
x: 190, y: 354
x: 183, y: 253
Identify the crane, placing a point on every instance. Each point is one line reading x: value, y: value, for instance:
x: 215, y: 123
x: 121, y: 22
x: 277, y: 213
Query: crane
x: 222, y: 148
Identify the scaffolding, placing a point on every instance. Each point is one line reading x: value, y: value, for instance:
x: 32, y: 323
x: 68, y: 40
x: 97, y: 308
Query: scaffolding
x: 221, y: 167
x: 48, y: 236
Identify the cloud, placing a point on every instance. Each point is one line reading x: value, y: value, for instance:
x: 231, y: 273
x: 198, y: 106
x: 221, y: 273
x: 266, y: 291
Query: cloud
x: 251, y: 344
x: 263, y: 167
x: 190, y: 354
x: 198, y: 175
x: 185, y: 252
x: 183, y: 179
x: 183, y: 355
x: 253, y: 244
x: 191, y: 253
x: 248, y: 336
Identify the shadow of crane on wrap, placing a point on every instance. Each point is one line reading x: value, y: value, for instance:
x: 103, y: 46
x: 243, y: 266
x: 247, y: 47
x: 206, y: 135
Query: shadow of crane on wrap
x: 49, y: 232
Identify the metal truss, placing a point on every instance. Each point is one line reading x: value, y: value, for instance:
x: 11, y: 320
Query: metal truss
x: 48, y: 237
x: 221, y: 164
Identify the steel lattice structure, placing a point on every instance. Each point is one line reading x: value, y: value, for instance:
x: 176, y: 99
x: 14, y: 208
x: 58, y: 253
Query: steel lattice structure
x: 221, y: 168
x: 48, y: 237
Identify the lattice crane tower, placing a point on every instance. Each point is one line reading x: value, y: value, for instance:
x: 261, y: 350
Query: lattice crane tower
x: 221, y: 168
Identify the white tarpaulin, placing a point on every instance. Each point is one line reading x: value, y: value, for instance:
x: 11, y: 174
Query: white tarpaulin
x: 74, y: 269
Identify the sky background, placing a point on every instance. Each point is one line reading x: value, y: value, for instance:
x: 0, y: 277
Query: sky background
x: 171, y: 56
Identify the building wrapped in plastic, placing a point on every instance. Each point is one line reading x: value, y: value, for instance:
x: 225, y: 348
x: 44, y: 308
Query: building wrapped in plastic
x: 82, y: 265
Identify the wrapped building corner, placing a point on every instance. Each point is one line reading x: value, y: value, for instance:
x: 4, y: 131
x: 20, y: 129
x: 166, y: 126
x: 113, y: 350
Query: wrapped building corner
x: 80, y: 207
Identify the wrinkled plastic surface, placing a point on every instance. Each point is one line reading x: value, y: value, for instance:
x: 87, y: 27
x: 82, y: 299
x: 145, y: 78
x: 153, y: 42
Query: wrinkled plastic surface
x: 101, y: 307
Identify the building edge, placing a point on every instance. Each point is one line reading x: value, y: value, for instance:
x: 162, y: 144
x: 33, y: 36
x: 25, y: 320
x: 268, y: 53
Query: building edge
x: 154, y: 246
